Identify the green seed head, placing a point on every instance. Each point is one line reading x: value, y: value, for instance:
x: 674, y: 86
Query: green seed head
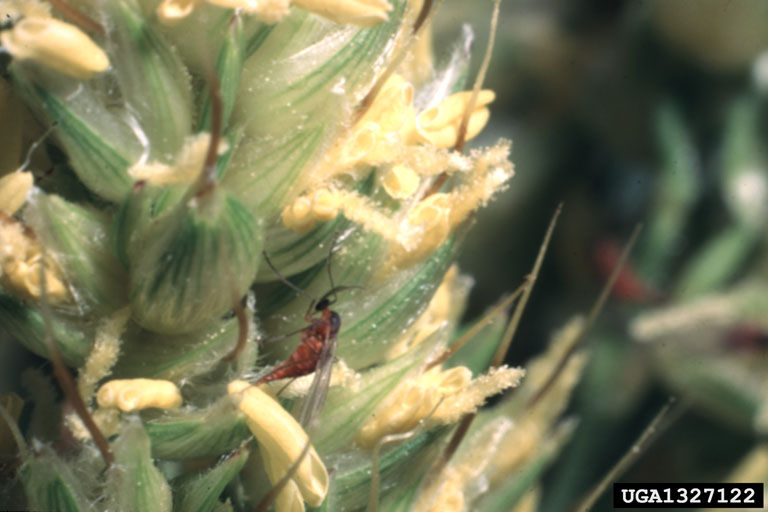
x: 192, y: 262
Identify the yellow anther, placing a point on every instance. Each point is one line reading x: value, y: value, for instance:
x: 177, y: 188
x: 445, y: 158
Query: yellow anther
x: 449, y: 381
x: 458, y: 480
x: 14, y: 188
x: 324, y: 205
x: 24, y: 277
x: 364, y: 13
x: 298, y: 215
x: 451, y: 496
x: 290, y: 498
x: 136, y: 394
x: 412, y: 401
x: 440, y: 396
x: 320, y: 206
x: 56, y: 45
x: 20, y: 264
x: 357, y: 147
x: 431, y: 210
x: 474, y: 394
x: 359, y: 209
x: 428, y: 225
x: 389, y: 108
x: 430, y: 221
x: 392, y: 114
x: 445, y: 305
x: 453, y: 289
x: 302, y: 209
x: 400, y: 181
x: 171, y: 11
x: 269, y: 11
x: 186, y: 167
x: 489, y: 174
x: 439, y: 125
x: 399, y: 413
x: 375, y: 139
x: 282, y: 440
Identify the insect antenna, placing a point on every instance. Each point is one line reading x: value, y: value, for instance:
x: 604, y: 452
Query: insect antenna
x: 326, y: 301
x: 330, y: 273
x: 330, y: 258
x: 286, y: 281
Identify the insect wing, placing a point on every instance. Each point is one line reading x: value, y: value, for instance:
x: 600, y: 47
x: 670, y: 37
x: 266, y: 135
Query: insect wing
x: 318, y: 391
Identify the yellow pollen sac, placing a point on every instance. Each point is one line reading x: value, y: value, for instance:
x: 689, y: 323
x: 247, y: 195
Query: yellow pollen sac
x: 399, y: 414
x: 186, y: 166
x: 269, y: 11
x: 171, y: 11
x: 440, y: 396
x: 450, y: 497
x: 298, y: 215
x: 444, y: 306
x: 24, y: 276
x: 376, y: 139
x: 357, y: 147
x: 359, y: 209
x: 21, y: 259
x: 388, y: 109
x: 364, y: 13
x: 400, y: 181
x: 412, y: 401
x: 439, y: 125
x: 282, y: 440
x: 392, y: 115
x: 14, y: 188
x: 325, y: 205
x: 136, y: 394
x: 466, y: 472
x: 428, y: 224
x: 56, y: 45
x: 302, y: 214
x: 448, y: 381
x: 290, y: 498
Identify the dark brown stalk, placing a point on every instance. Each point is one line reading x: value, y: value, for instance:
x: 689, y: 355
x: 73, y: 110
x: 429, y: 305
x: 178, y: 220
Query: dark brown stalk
x: 64, y: 378
x: 77, y: 17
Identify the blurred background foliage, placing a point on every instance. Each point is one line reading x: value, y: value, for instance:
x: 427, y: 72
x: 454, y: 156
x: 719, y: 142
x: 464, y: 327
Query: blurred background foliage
x: 631, y: 112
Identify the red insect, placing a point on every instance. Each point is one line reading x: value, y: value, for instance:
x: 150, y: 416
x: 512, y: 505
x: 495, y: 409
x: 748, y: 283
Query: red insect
x: 317, y: 349
x: 315, y: 339
x: 630, y: 286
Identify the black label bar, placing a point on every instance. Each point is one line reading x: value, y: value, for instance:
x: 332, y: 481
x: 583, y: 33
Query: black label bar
x: 678, y: 495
